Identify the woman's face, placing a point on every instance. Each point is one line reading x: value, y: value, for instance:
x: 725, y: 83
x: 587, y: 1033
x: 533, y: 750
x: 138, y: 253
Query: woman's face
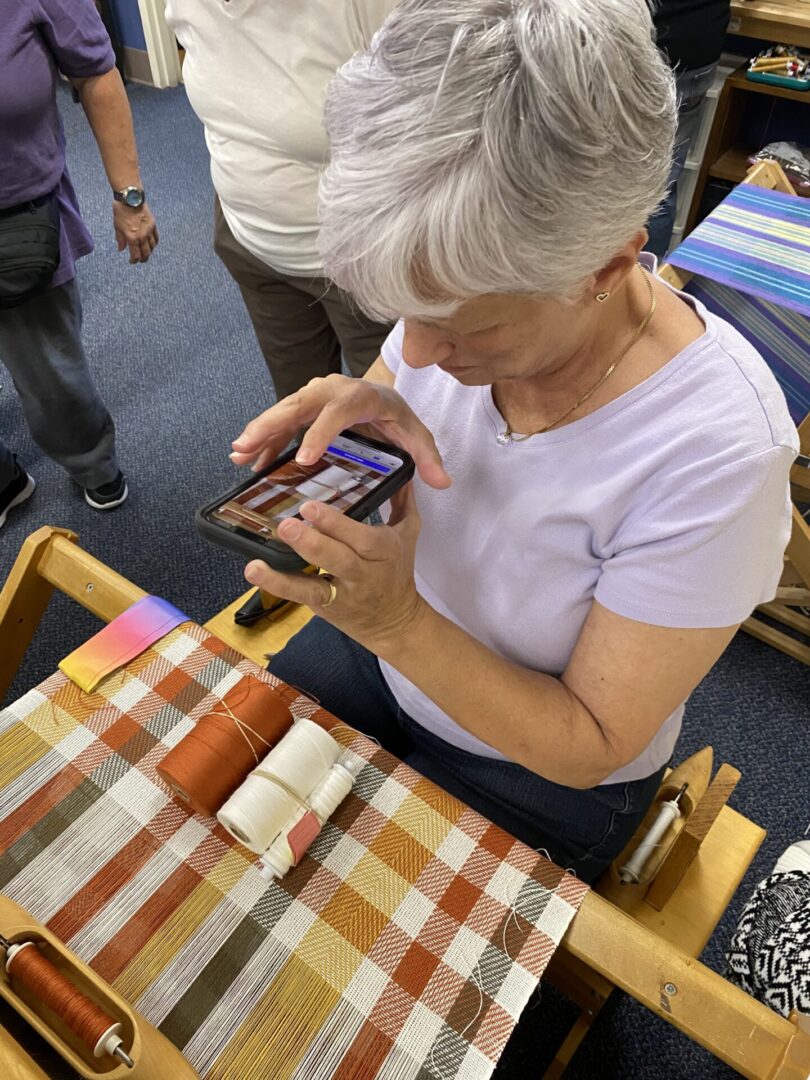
x: 496, y: 337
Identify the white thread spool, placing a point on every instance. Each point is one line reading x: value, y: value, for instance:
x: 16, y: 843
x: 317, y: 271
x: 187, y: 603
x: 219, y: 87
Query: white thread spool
x: 259, y: 809
x: 324, y: 800
x: 630, y: 873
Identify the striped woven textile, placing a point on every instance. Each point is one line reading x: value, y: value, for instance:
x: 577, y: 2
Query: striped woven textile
x: 780, y: 335
x: 405, y: 944
x: 757, y: 241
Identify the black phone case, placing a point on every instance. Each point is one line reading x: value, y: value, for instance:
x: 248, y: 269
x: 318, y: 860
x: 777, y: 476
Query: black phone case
x: 276, y: 553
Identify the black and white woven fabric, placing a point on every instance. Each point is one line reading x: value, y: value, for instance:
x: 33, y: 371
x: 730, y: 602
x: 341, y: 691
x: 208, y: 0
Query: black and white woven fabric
x: 769, y: 955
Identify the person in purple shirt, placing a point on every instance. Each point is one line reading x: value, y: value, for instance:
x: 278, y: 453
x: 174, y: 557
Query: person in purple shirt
x: 40, y: 339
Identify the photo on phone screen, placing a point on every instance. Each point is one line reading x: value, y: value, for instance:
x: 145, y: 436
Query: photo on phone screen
x: 348, y: 472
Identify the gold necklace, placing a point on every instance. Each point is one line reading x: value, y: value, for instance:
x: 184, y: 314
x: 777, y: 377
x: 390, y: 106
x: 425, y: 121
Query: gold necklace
x: 508, y: 436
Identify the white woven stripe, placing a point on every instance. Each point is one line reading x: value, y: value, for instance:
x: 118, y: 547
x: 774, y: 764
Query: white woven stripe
x: 413, y: 912
x: 505, y: 884
x: 49, y: 881
x: 366, y: 986
x: 344, y: 856
x: 455, y: 849
x: 475, y: 1065
x: 113, y: 917
x: 294, y: 924
x: 556, y: 918
x: 177, y: 648
x: 464, y: 951
x: 516, y: 989
x: 418, y: 1035
x: 327, y: 1049
x: 17, y: 711
x: 138, y: 795
x: 389, y: 798
x: 124, y: 695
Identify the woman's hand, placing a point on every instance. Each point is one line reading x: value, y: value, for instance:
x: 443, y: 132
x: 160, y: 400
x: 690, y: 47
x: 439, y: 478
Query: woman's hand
x: 370, y: 593
x: 135, y: 229
x: 329, y: 406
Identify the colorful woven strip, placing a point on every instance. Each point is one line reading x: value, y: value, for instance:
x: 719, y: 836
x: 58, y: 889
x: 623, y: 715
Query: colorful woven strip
x: 147, y: 621
x: 780, y: 335
x: 404, y: 945
x: 757, y: 241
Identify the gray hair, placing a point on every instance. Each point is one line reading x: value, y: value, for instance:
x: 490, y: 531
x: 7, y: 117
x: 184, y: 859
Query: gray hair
x: 493, y: 146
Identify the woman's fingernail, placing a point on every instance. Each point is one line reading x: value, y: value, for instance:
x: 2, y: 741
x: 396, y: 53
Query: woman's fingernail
x: 253, y: 572
x: 311, y: 511
x: 292, y: 531
x: 305, y: 457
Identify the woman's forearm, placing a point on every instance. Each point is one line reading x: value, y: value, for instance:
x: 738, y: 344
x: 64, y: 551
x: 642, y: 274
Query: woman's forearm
x: 105, y: 102
x: 531, y: 718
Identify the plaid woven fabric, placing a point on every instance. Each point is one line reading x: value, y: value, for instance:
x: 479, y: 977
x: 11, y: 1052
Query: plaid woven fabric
x: 405, y: 944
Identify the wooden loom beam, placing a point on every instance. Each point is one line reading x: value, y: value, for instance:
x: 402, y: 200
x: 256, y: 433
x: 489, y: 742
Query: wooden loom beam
x: 50, y: 558
x: 736, y: 1028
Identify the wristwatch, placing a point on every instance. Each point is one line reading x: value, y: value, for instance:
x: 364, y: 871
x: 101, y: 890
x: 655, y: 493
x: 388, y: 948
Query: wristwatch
x: 134, y: 197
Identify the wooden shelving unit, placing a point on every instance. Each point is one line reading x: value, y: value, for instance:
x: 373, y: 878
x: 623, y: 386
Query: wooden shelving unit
x: 731, y: 141
x: 785, y: 21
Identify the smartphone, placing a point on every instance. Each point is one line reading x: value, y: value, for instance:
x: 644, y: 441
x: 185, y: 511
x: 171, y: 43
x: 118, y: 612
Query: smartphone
x: 356, y: 475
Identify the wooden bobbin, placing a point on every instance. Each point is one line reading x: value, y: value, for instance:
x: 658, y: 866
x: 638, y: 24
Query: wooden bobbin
x: 154, y: 1056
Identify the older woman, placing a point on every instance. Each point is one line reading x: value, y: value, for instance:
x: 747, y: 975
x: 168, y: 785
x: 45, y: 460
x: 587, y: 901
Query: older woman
x: 527, y: 633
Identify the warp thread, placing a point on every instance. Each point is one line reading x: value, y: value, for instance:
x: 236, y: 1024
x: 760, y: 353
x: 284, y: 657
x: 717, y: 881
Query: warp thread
x: 208, y: 765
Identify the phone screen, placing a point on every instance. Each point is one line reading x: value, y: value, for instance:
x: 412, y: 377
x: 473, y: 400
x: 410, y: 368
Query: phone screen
x: 347, y: 473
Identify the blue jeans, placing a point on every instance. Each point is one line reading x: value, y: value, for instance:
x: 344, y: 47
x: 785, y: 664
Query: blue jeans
x: 692, y: 86
x: 583, y: 830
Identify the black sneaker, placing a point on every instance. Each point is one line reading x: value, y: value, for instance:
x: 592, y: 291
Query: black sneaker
x: 108, y: 496
x: 20, y: 489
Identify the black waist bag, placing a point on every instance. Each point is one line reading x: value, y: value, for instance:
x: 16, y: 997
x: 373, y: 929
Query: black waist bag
x: 29, y: 249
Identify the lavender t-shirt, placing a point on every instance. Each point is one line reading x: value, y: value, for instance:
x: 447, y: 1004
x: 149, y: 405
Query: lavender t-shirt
x: 669, y: 505
x: 38, y: 39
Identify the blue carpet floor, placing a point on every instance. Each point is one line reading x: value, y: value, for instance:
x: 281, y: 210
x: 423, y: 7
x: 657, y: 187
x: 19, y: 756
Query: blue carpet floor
x: 175, y: 358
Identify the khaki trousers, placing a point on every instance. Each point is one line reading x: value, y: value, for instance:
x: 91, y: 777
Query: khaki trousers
x: 303, y: 324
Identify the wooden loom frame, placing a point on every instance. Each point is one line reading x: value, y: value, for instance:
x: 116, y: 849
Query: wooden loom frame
x: 603, y: 942
x: 794, y: 589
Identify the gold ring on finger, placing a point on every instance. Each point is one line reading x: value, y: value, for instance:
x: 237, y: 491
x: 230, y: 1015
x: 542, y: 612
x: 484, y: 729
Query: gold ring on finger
x: 332, y: 592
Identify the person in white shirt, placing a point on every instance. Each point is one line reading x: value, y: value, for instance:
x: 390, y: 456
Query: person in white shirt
x: 256, y: 73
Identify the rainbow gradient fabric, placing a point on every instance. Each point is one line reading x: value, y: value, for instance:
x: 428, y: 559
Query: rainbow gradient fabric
x: 120, y: 641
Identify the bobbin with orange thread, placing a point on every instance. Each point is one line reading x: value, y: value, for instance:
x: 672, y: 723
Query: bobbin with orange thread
x: 151, y: 1053
x: 98, y: 1031
x: 209, y: 764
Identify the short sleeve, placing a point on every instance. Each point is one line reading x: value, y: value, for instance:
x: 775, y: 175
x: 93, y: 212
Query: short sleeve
x: 391, y: 351
x: 708, y: 553
x: 76, y: 37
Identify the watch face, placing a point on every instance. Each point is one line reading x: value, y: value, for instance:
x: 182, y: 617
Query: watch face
x: 133, y: 197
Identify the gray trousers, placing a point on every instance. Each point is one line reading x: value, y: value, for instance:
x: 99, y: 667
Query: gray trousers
x: 303, y: 324
x: 41, y: 346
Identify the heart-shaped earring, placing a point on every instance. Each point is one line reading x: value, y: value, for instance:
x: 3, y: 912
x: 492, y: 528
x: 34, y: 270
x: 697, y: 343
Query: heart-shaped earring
x: 601, y: 297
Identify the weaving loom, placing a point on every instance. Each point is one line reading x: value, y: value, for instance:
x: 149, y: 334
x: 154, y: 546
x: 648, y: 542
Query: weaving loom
x: 751, y: 264
x: 405, y: 944
x: 221, y: 962
x: 753, y: 257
